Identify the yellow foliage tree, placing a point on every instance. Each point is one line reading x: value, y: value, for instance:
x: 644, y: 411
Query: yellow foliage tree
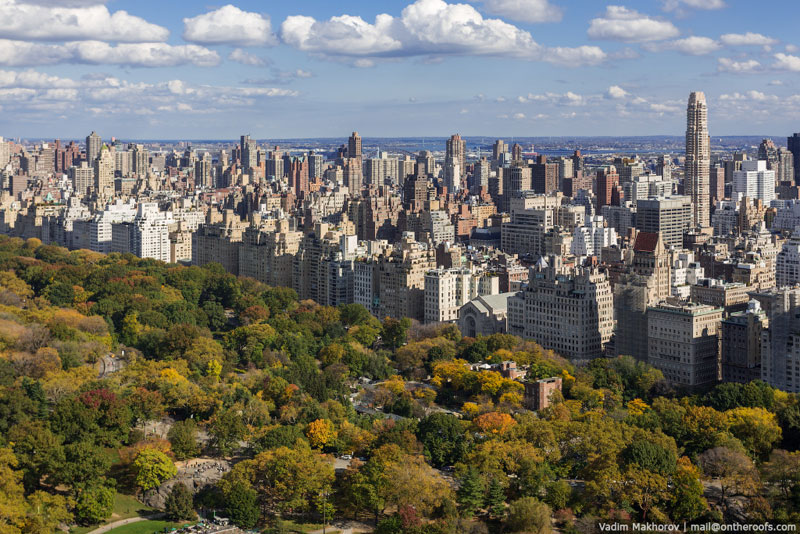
x: 320, y: 433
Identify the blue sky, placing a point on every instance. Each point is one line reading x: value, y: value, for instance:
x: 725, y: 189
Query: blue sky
x: 190, y: 70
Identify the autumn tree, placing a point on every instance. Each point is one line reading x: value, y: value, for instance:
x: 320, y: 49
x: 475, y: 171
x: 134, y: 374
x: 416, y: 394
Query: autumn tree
x: 183, y: 438
x: 687, y: 501
x: 152, y: 467
x: 528, y: 515
x: 320, y: 433
x: 735, y: 471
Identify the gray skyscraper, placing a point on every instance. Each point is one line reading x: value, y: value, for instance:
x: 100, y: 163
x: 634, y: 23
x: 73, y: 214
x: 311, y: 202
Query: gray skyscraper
x: 793, y: 143
x: 93, y: 144
x: 249, y: 152
x: 698, y: 158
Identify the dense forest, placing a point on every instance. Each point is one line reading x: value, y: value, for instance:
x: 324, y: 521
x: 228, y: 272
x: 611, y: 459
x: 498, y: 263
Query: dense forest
x: 95, y: 349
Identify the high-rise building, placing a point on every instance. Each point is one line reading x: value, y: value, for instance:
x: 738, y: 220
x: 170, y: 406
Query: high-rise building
x: 698, y: 159
x: 298, y: 175
x: 93, y: 144
x: 568, y: 310
x: 104, y: 166
x: 683, y: 342
x: 249, y: 150
x: 755, y: 181
x: 314, y: 166
x: 354, y: 146
x: 780, y: 343
x: 607, y: 180
x: 717, y: 183
x: 544, y: 176
x: 498, y: 149
x: 671, y: 216
x: 787, y: 264
x: 768, y: 152
x: 741, y: 344
x: 793, y: 144
x: 480, y: 176
x: 785, y: 174
x: 82, y: 177
x: 454, y: 162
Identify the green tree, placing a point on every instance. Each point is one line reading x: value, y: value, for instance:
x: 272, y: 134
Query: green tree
x: 183, y: 438
x: 687, y: 499
x: 227, y: 429
x: 528, y: 515
x: 84, y: 464
x: 558, y: 494
x: 393, y: 331
x: 94, y: 504
x: 443, y: 437
x: 470, y: 492
x: 46, y: 512
x: 496, y: 498
x: 241, y: 504
x: 179, y: 505
x: 151, y: 467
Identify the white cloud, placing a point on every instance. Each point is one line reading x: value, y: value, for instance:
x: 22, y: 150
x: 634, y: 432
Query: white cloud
x: 565, y: 99
x: 672, y: 5
x: 143, y: 54
x: 33, y: 79
x: 786, y: 62
x: 22, y: 53
x: 519, y: 116
x: 725, y: 64
x: 622, y: 24
x: 776, y: 82
x: 791, y: 48
x: 747, y: 39
x: 524, y: 10
x: 246, y: 58
x: 425, y: 28
x: 693, y: 46
x: 91, y: 22
x: 617, y: 92
x: 230, y: 25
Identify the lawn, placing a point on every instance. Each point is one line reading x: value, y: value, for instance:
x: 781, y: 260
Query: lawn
x: 145, y: 527
x: 125, y: 506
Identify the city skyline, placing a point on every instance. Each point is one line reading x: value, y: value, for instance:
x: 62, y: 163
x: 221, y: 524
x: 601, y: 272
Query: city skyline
x: 428, y: 67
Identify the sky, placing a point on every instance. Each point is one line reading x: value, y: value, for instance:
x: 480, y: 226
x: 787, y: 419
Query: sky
x: 174, y: 69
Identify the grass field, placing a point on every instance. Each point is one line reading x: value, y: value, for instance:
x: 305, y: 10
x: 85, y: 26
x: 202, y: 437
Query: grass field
x: 125, y: 506
x: 145, y: 527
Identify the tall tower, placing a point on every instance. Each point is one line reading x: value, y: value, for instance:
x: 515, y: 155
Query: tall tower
x: 354, y: 146
x: 698, y: 158
x: 93, y: 144
x: 454, y: 162
x: 249, y: 150
x: 793, y: 143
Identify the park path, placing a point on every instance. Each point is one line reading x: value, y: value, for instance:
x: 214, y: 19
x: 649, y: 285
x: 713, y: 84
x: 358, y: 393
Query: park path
x: 121, y: 522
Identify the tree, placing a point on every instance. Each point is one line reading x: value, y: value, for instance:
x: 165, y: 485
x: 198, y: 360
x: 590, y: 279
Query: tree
x: 183, y: 438
x: 227, y: 428
x: 651, y: 456
x: 528, y: 515
x: 94, y: 504
x: 687, y: 499
x: 493, y: 423
x: 12, y: 494
x: 84, y: 464
x: 46, y: 512
x: 320, y: 432
x: 735, y: 470
x: 393, y: 331
x: 470, y: 494
x: 152, y: 467
x: 783, y: 470
x: 443, y: 437
x: 179, y: 505
x: 756, y: 428
x: 558, y: 494
x: 495, y: 498
x: 241, y: 504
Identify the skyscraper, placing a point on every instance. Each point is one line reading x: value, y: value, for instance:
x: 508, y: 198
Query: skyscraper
x: 249, y: 150
x: 354, y: 146
x: 698, y: 158
x: 454, y: 162
x: 93, y: 144
x: 793, y: 143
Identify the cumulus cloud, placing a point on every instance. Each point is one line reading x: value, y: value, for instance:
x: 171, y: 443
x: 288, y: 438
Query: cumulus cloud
x: 230, y: 25
x: 22, y: 53
x: 786, y: 62
x: 725, y: 64
x: 246, y: 58
x: 693, y: 46
x: 617, y: 92
x: 26, y: 21
x: 425, y: 28
x: 33, y: 79
x: 747, y: 39
x: 524, y: 10
x: 622, y: 24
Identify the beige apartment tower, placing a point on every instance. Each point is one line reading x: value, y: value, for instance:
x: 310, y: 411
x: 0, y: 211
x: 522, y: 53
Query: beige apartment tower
x: 698, y: 159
